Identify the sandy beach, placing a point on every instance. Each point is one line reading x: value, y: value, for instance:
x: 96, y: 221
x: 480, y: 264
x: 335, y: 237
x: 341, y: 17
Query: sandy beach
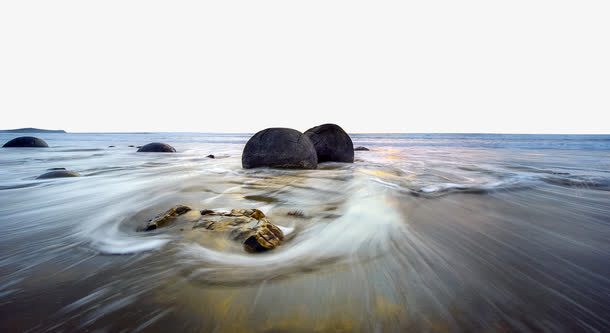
x: 437, y: 233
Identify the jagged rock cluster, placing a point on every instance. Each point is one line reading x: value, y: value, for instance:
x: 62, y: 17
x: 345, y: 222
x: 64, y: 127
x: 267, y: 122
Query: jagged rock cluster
x: 250, y: 227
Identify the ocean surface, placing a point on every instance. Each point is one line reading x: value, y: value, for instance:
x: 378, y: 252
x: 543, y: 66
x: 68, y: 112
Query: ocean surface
x: 424, y: 233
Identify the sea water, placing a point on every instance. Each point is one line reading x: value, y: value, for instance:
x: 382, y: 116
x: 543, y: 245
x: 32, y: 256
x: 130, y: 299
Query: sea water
x: 424, y: 232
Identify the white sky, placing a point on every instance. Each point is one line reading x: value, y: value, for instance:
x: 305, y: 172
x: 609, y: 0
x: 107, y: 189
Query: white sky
x: 369, y: 66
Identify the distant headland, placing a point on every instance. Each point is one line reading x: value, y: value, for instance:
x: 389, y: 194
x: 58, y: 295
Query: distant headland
x: 31, y: 130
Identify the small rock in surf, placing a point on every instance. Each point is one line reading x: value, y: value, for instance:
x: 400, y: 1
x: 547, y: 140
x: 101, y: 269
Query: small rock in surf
x: 157, y: 147
x: 166, y: 217
x: 58, y: 174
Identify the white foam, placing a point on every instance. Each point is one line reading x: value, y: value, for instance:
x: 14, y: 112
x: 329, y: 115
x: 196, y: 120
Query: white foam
x: 366, y: 225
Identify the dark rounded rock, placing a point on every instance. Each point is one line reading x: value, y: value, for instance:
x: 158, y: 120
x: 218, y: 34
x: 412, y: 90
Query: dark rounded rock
x: 157, y: 147
x: 211, y: 156
x: 361, y: 148
x: 332, y: 143
x: 26, y: 141
x: 58, y: 174
x: 279, y: 148
x: 110, y: 146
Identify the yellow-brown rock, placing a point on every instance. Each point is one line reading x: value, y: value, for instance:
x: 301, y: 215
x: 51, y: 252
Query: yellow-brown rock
x: 248, y: 226
x: 166, y: 217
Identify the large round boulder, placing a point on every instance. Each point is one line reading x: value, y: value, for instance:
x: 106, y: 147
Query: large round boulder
x: 279, y: 148
x: 157, y: 147
x: 332, y: 143
x: 26, y: 142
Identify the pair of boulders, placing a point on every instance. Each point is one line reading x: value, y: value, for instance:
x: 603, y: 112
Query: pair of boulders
x: 26, y: 142
x: 250, y: 227
x: 290, y: 149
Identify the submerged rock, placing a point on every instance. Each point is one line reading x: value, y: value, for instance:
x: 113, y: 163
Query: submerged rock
x: 296, y: 213
x: 26, y: 142
x: 59, y: 173
x: 157, y: 147
x: 166, y: 217
x: 361, y: 148
x: 332, y: 144
x: 247, y: 226
x: 279, y: 148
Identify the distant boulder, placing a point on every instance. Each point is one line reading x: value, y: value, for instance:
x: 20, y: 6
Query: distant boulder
x: 332, y: 143
x: 58, y: 174
x: 361, y: 149
x: 211, y: 156
x: 279, y: 148
x: 157, y: 147
x: 26, y: 142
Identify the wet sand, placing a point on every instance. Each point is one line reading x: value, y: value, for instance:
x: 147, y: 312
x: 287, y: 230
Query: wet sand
x: 406, y: 239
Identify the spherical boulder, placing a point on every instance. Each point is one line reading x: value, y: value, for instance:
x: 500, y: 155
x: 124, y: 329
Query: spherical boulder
x: 279, y: 148
x: 332, y: 143
x: 26, y: 142
x: 157, y: 147
x: 58, y: 174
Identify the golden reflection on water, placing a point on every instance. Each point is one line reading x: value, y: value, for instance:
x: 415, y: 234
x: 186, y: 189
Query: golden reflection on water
x: 390, y: 154
x: 263, y: 308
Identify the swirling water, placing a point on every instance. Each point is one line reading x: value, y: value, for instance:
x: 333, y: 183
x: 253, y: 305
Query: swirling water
x: 424, y: 232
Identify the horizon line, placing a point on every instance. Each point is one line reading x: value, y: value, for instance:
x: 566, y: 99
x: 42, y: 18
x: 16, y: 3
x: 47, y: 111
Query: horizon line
x: 356, y: 133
